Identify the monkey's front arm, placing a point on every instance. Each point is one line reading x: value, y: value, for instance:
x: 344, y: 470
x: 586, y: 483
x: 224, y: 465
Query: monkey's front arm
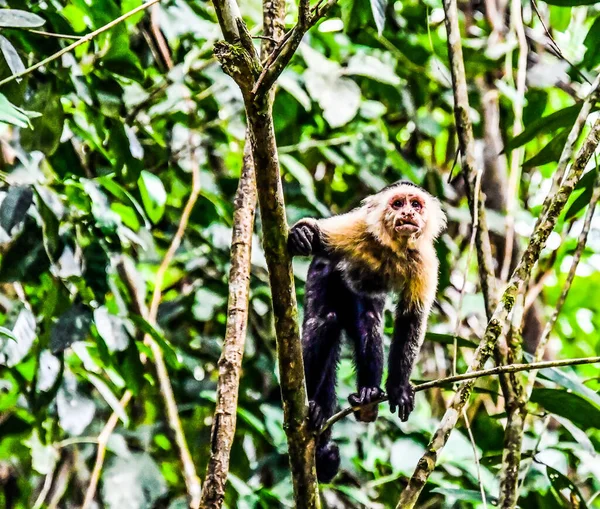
x: 409, y: 327
x: 305, y: 238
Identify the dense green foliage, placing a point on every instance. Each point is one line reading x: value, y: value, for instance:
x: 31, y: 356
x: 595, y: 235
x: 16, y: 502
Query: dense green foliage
x: 97, y: 149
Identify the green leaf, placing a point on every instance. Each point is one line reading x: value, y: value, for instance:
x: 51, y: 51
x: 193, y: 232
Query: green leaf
x: 378, y: 8
x: 154, y: 196
x: 12, y: 57
x: 15, y: 18
x: 14, y: 207
x: 569, y: 382
x: 577, y: 409
x: 561, y: 118
x: 10, y: 114
x: 561, y: 482
x: 550, y: 153
x: 448, y: 339
x: 72, y: 326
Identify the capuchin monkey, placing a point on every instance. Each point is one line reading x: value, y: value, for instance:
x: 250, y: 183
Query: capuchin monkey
x: 384, y: 245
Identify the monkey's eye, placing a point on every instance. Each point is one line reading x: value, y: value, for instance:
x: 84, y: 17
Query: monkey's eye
x: 416, y: 205
x: 397, y: 204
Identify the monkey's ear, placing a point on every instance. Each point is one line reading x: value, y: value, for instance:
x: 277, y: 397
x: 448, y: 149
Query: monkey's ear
x: 437, y: 219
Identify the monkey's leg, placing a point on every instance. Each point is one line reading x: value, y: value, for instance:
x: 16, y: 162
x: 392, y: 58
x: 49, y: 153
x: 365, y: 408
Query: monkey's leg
x: 320, y: 349
x: 364, y: 326
x: 409, y: 332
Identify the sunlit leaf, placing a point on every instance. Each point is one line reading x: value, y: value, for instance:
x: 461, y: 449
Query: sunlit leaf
x: 154, y: 196
x: 15, y: 18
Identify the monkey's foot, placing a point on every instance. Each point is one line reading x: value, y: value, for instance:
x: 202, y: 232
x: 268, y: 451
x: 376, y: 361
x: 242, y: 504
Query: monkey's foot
x: 316, y: 418
x: 403, y: 398
x: 364, y: 397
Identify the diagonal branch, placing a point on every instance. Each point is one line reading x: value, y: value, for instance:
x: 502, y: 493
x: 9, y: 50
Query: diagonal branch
x: 497, y: 322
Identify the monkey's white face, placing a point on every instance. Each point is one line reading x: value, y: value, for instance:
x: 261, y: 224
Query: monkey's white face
x: 407, y: 213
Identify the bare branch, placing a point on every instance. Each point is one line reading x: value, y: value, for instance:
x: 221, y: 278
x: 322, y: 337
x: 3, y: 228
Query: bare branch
x: 471, y: 375
x: 230, y: 363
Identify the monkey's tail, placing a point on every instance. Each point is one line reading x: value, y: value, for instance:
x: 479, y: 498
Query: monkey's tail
x: 328, y: 460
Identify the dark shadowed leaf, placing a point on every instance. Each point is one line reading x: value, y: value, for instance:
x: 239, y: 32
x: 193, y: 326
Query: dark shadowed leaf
x: 47, y: 129
x: 72, y: 326
x: 551, y: 152
x: 448, y: 339
x: 577, y: 409
x: 561, y: 118
x: 19, y: 19
x: 14, y: 207
x: 561, y: 482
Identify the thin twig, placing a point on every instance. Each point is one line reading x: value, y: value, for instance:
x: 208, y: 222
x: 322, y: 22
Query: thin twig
x: 79, y: 42
x: 554, y: 45
x: 475, y: 215
x: 471, y: 375
x: 517, y: 155
x: 476, y: 457
x: 52, y: 34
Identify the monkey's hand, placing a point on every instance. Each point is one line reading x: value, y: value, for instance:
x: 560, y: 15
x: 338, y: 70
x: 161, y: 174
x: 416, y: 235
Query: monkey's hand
x: 316, y: 418
x: 304, y: 237
x: 403, y: 398
x: 368, y: 412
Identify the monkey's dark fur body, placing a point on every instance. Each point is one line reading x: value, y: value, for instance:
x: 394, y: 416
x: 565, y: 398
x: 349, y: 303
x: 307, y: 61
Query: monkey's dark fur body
x: 358, y: 259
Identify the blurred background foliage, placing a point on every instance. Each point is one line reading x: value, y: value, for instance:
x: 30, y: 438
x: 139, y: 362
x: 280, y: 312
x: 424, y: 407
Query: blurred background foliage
x: 96, y: 154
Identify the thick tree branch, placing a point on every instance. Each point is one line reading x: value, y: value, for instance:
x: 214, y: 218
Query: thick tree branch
x: 238, y: 61
x: 471, y: 174
x: 497, y: 322
x: 471, y: 375
x: 230, y: 363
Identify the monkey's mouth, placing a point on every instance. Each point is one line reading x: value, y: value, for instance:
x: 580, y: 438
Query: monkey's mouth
x: 406, y: 226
